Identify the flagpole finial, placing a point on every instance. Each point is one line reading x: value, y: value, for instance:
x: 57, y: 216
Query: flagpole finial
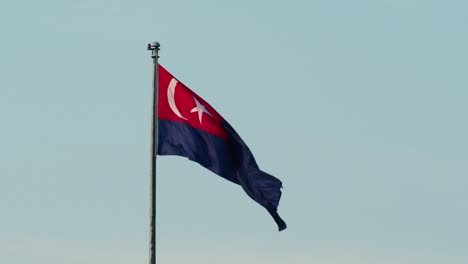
x: 154, y: 47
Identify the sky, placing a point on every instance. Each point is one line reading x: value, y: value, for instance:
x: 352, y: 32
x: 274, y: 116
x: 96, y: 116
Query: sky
x: 359, y: 107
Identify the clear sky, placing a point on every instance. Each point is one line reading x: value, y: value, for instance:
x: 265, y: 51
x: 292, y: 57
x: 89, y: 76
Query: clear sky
x: 359, y: 107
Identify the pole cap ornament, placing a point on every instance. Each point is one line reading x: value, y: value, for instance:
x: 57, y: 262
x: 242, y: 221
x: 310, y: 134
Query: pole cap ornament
x: 153, y: 45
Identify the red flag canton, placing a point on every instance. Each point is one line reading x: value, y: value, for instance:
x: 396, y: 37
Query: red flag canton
x: 176, y: 102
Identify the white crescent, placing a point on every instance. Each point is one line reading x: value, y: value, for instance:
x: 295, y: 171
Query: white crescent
x: 171, y: 98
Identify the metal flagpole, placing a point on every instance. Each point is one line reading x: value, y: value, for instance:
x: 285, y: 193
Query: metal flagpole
x: 154, y: 47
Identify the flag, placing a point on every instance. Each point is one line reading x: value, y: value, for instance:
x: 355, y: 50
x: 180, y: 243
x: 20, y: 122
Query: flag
x: 189, y: 127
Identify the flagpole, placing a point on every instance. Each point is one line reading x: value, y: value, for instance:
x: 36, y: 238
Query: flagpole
x: 154, y: 47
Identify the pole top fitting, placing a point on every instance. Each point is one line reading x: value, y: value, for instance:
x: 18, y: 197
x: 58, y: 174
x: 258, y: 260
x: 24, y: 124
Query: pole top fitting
x: 154, y: 47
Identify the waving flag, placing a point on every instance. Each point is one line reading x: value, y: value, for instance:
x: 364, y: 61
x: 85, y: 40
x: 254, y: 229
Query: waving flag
x: 190, y: 127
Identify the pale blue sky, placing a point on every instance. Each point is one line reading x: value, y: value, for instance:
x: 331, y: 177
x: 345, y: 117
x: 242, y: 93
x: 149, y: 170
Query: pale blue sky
x: 359, y: 107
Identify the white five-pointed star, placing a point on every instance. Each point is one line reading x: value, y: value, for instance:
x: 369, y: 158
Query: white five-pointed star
x: 200, y: 109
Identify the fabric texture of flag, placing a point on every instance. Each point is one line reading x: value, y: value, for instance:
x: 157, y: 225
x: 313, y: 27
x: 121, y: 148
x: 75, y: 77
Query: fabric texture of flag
x: 189, y: 127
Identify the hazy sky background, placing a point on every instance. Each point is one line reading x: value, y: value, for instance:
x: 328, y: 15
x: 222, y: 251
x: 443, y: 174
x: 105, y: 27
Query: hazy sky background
x: 359, y: 107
